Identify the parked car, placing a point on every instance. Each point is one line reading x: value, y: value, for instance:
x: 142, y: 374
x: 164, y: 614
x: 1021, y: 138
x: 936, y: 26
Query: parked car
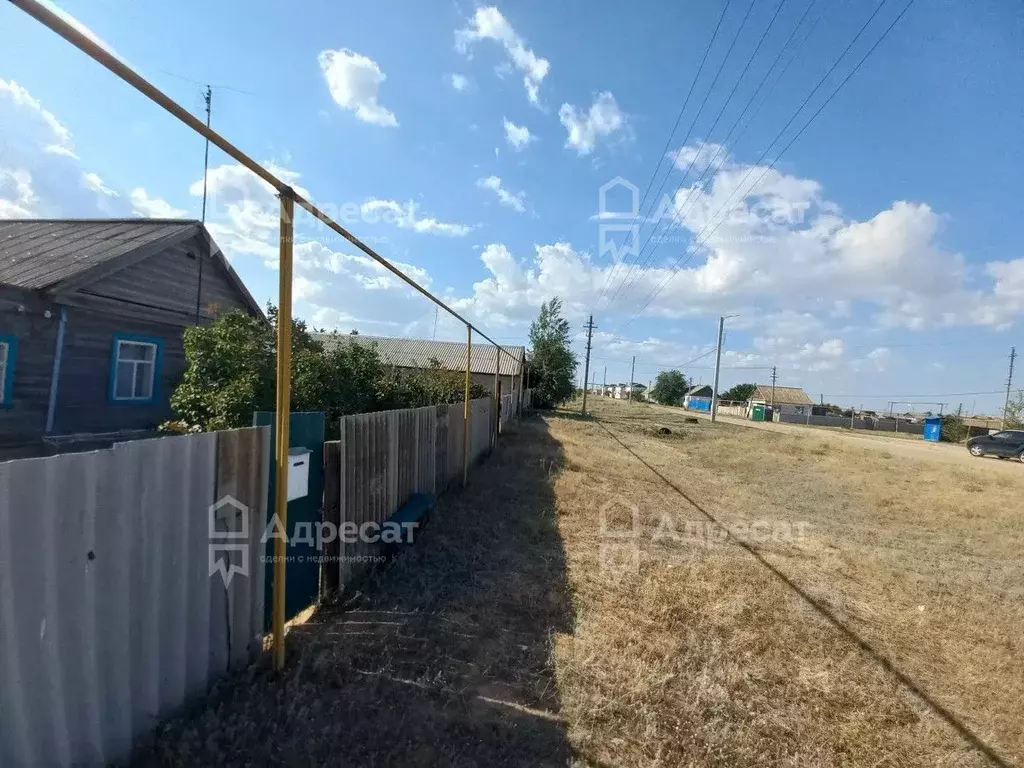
x: 1006, y: 444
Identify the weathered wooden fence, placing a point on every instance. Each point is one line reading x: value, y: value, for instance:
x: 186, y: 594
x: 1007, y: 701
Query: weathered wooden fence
x: 527, y: 399
x: 382, y: 459
x: 507, y: 412
x: 111, y: 612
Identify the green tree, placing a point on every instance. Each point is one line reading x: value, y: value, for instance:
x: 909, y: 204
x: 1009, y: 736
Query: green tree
x: 953, y: 429
x: 231, y: 373
x: 552, y: 362
x: 669, y: 388
x: 1015, y: 411
x: 739, y: 393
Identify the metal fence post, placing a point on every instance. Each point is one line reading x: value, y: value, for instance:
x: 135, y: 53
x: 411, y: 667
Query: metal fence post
x: 465, y: 408
x: 284, y: 366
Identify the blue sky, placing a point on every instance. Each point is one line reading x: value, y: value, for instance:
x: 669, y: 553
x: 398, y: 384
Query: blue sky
x: 880, y: 259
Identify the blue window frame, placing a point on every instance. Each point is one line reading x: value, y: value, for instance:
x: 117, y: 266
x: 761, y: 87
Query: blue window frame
x: 8, y: 359
x: 135, y: 368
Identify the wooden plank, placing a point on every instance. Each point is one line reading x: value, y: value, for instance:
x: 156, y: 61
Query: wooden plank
x: 329, y: 572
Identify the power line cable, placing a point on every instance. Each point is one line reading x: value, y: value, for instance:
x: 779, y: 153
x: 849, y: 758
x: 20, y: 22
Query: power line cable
x: 649, y: 262
x: 696, y: 117
x: 694, y: 246
x: 668, y: 142
x: 660, y: 220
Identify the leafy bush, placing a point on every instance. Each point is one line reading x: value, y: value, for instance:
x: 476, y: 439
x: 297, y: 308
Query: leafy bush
x: 953, y: 429
x: 231, y: 373
x: 1015, y: 411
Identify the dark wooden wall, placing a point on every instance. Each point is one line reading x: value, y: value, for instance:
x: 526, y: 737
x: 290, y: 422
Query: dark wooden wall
x: 163, y: 287
x: 23, y: 314
x: 154, y: 298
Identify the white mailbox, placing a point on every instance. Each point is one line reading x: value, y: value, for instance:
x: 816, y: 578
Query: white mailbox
x: 298, y: 473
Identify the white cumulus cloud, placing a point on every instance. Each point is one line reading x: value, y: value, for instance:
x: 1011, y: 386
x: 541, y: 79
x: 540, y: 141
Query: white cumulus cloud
x: 513, y: 201
x: 458, y: 82
x: 354, y: 81
x: 586, y: 128
x: 153, y: 207
x: 403, y: 215
x: 242, y: 211
x: 17, y: 198
x: 517, y: 136
x: 489, y: 24
x: 56, y: 139
x: 94, y: 183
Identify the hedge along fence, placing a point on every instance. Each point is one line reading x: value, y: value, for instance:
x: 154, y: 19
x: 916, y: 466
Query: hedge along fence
x: 380, y: 461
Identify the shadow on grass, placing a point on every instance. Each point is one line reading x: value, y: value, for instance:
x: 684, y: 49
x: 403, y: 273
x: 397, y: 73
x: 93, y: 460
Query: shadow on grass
x: 444, y: 659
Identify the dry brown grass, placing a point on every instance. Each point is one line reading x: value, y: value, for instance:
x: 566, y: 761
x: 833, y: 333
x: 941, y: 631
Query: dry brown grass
x: 703, y: 655
x: 515, y: 633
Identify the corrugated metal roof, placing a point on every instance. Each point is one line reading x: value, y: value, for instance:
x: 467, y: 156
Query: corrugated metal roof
x: 697, y: 388
x: 787, y: 395
x: 417, y: 353
x: 37, y: 254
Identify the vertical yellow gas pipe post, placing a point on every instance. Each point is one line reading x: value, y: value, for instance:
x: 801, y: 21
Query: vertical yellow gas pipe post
x: 465, y: 411
x: 497, y: 399
x: 284, y: 380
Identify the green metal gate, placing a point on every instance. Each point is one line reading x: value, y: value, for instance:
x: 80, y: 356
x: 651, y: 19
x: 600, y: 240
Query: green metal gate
x: 302, y: 576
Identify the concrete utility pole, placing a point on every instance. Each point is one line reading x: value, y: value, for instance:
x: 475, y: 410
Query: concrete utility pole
x: 604, y: 382
x: 632, y: 370
x: 718, y: 368
x: 1009, y: 385
x: 774, y: 377
x: 586, y: 365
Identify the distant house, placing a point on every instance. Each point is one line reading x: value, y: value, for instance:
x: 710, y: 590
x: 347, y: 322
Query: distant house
x: 788, y: 400
x: 414, y: 354
x: 698, y: 397
x: 91, y: 320
x: 626, y: 391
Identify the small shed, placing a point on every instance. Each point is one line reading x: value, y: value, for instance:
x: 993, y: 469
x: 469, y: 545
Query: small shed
x: 782, y: 400
x: 698, y: 398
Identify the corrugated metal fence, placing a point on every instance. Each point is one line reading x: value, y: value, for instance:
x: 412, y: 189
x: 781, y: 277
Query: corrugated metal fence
x: 109, y: 617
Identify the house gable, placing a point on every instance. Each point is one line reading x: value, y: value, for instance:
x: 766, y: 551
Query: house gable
x: 167, y: 286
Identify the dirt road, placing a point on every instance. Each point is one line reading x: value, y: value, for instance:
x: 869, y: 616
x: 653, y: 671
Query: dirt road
x: 894, y: 446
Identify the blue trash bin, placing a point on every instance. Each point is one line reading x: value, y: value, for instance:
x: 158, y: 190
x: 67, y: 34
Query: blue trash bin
x: 933, y: 429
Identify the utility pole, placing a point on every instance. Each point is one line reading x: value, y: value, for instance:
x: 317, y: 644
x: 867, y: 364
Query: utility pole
x: 632, y: 370
x: 604, y: 382
x: 586, y: 365
x: 718, y: 367
x: 208, y: 98
x: 774, y: 376
x: 1009, y: 385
